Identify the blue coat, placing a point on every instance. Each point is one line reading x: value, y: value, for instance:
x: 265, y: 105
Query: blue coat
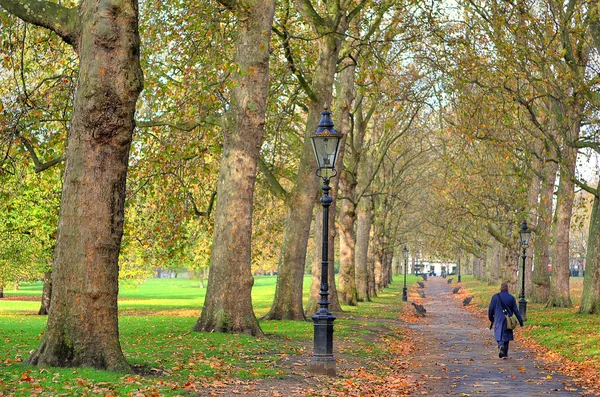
x: 496, y: 315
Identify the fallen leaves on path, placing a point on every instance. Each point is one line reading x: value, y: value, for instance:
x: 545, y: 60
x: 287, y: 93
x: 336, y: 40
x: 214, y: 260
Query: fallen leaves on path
x: 583, y: 374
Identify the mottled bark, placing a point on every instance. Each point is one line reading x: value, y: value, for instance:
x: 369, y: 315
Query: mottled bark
x: 371, y: 282
x: 315, y: 281
x: 334, y: 304
x: 533, y: 194
x: 347, y: 293
x: 590, y: 299
x: 493, y: 264
x: 541, y: 249
x: 363, y: 233
x: 46, y: 294
x: 82, y: 327
x: 302, y: 198
x: 378, y: 273
x: 560, y: 295
x: 510, y: 265
x: 228, y: 302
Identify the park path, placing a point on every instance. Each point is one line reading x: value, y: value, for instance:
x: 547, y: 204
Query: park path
x: 457, y: 355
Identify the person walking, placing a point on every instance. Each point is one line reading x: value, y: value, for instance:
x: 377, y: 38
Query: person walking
x: 500, y: 302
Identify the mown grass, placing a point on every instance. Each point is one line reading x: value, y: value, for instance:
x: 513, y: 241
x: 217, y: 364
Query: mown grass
x: 155, y: 322
x: 572, y: 335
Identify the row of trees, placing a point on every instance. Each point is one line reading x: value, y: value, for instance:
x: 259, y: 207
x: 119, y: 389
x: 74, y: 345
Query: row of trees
x: 458, y: 122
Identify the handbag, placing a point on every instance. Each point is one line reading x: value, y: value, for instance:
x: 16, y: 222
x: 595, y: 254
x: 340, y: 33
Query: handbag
x: 511, y: 321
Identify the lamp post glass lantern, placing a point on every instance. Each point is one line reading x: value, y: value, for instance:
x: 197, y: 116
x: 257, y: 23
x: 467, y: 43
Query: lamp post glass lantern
x: 404, y: 295
x: 525, y: 234
x: 326, y: 142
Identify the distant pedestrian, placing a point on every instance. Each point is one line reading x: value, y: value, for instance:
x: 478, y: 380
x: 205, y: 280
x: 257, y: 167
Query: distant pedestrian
x: 498, y: 320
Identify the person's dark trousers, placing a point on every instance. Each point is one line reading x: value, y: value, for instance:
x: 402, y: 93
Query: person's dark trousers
x: 505, y: 344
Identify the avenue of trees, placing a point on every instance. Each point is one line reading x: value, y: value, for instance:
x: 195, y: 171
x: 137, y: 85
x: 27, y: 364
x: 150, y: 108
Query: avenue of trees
x: 137, y: 136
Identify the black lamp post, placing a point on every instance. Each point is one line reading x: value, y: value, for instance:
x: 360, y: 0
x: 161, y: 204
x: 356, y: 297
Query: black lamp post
x: 525, y: 234
x: 404, y: 296
x: 458, y: 266
x: 326, y: 142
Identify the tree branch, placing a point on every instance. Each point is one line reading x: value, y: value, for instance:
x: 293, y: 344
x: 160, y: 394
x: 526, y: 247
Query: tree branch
x: 307, y: 10
x: 61, y: 20
x: 587, y: 188
x: 357, y: 9
x: 184, y: 126
x: 274, y: 184
x: 285, y: 37
x: 586, y: 144
x: 497, y: 234
x: 211, y: 203
x: 39, y: 166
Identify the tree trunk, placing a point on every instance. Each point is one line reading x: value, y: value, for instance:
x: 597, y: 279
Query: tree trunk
x: 560, y: 295
x: 46, y: 294
x: 82, y: 327
x: 510, y: 264
x: 483, y: 265
x: 228, y: 303
x: 590, y: 299
x: 493, y: 270
x: 371, y: 259
x: 534, y: 191
x: 1, y: 292
x: 302, y: 199
x: 315, y: 286
x: 378, y: 271
x: 347, y: 293
x: 541, y: 248
x: 363, y: 234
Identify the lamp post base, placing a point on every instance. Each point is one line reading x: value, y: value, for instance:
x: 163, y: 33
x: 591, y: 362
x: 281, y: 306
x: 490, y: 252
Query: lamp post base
x: 322, y: 366
x: 458, y: 279
x: 523, y: 308
x: 404, y: 296
x: 322, y: 361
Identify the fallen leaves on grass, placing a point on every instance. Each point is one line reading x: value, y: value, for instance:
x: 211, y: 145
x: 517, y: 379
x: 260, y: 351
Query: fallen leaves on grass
x: 381, y: 379
x: 584, y: 374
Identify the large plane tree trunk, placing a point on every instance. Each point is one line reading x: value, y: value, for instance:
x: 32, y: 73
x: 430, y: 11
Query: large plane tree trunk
x: 560, y: 296
x: 346, y: 288
x: 46, y: 294
x: 82, y: 327
x: 306, y: 189
x: 590, y: 299
x: 228, y: 302
x: 541, y: 248
x: 363, y: 234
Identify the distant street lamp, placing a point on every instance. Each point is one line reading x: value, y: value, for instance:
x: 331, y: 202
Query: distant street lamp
x: 525, y: 234
x: 458, y: 266
x: 404, y: 296
x: 326, y: 142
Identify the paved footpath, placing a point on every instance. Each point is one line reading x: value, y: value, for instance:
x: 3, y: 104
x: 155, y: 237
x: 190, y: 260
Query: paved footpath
x: 457, y: 355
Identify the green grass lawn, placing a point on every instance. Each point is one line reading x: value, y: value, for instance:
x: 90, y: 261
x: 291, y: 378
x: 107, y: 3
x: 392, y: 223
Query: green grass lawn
x: 574, y: 336
x: 156, y: 317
